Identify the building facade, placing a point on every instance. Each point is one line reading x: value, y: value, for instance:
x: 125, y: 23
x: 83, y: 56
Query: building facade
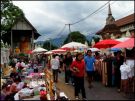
x: 21, y: 36
x: 123, y: 27
x: 126, y: 25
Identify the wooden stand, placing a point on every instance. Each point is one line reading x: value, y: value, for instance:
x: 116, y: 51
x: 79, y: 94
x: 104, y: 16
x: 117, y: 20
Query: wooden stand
x: 104, y: 73
x: 49, y: 83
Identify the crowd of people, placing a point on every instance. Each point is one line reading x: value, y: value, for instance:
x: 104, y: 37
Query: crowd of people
x: 81, y: 65
x: 76, y: 67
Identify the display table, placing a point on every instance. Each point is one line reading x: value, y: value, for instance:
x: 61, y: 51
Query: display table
x: 35, y: 82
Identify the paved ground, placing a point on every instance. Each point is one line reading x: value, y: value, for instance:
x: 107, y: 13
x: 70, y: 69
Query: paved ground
x: 98, y: 92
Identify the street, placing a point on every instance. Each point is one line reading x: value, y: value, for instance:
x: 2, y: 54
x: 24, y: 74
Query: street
x: 98, y: 92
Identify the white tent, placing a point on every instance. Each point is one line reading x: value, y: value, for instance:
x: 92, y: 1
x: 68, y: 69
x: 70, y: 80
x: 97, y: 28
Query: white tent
x: 75, y: 45
x: 39, y: 49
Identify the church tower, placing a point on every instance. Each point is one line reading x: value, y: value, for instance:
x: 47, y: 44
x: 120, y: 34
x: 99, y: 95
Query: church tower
x: 110, y: 19
x: 110, y: 30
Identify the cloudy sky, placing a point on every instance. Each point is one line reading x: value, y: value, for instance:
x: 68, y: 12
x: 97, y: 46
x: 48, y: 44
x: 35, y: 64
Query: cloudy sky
x: 50, y: 17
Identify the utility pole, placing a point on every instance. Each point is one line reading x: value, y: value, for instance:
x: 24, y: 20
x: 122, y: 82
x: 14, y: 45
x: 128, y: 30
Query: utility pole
x: 69, y: 32
x: 50, y: 43
x: 69, y: 27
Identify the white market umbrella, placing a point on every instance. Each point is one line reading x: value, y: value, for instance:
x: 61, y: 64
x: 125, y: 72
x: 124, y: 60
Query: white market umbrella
x: 75, y: 45
x: 58, y: 51
x: 49, y: 52
x: 39, y: 49
x: 94, y: 49
x: 122, y: 39
x: 76, y: 50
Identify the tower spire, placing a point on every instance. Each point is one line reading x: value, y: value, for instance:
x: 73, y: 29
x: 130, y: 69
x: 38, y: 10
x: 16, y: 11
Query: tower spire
x: 109, y: 10
x: 110, y: 19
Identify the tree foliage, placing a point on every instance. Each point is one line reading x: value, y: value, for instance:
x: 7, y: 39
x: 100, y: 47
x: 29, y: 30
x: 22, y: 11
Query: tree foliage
x: 47, y: 46
x: 75, y: 36
x: 9, y: 14
x: 96, y: 39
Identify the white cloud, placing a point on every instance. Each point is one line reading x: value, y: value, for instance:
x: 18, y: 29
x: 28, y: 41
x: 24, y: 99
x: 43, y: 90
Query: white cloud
x: 48, y: 16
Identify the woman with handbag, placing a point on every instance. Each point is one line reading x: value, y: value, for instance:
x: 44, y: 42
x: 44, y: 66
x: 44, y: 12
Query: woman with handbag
x: 78, y: 69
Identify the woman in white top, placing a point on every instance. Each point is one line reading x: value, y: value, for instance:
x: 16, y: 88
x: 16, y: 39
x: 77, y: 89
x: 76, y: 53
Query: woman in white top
x: 124, y: 69
x: 55, y: 64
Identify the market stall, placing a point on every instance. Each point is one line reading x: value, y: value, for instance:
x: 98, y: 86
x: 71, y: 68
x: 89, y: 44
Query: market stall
x: 35, y: 84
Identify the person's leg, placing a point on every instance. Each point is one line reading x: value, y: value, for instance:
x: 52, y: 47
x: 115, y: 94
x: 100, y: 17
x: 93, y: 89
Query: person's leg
x: 72, y: 80
x: 89, y: 78
x: 66, y: 76
x: 53, y: 75
x: 92, y: 75
x: 56, y: 75
x: 117, y: 80
x: 76, y: 87
x: 81, y: 84
x: 70, y: 76
x: 126, y: 86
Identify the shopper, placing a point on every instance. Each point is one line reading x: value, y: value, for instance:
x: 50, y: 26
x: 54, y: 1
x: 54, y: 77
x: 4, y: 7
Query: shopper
x: 89, y: 62
x: 118, y: 61
x: 67, y: 62
x: 55, y: 64
x: 78, y: 68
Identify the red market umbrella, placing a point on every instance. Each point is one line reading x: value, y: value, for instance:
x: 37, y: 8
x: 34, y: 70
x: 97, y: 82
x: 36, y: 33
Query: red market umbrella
x: 106, y: 43
x: 130, y: 43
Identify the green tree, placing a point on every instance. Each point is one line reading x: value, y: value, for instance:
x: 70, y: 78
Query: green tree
x: 96, y: 39
x: 75, y: 36
x: 47, y: 46
x: 9, y: 14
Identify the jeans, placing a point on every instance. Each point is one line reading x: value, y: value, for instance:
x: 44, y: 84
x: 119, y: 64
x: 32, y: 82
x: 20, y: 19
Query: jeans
x: 55, y: 75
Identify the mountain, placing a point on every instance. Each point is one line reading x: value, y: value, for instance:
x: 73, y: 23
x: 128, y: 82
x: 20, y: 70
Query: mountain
x: 90, y: 36
x: 59, y: 40
x: 55, y: 41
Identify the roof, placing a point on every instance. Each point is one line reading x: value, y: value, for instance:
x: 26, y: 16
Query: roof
x: 126, y: 20
x: 121, y: 22
x: 35, y: 31
x: 110, y: 28
x: 99, y: 31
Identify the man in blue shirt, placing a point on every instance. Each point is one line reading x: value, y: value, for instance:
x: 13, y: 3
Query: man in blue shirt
x: 89, y: 62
